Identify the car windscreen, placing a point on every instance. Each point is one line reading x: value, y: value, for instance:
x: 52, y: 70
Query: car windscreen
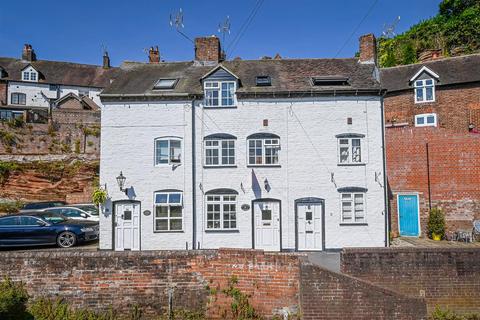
x: 89, y: 209
x: 52, y: 217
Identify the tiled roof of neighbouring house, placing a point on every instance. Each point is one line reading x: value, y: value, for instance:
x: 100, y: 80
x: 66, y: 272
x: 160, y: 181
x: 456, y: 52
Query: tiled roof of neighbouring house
x: 288, y: 76
x: 57, y: 72
x: 455, y: 70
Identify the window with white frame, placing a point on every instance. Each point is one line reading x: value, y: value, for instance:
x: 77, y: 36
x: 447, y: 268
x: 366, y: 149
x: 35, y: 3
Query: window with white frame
x: 219, y: 152
x: 353, y: 207
x: 18, y: 98
x: 221, y: 211
x: 26, y: 76
x: 29, y: 75
x: 168, y: 211
x: 219, y: 93
x: 168, y: 151
x: 424, y: 90
x: 263, y: 150
x: 426, y: 120
x: 349, y: 150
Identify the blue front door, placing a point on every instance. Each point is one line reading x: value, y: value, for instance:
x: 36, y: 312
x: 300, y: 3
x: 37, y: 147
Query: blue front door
x: 408, y: 215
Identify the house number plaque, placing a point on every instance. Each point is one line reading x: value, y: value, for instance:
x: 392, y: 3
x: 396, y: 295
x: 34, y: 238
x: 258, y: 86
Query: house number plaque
x: 245, y: 207
x: 147, y: 212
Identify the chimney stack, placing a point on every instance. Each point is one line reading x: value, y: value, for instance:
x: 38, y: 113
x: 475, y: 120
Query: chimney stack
x: 153, y: 55
x: 106, y: 60
x: 368, y: 49
x: 28, y: 54
x: 208, y: 49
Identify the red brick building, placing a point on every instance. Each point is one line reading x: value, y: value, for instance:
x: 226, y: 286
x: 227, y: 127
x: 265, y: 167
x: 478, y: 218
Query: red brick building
x: 432, y: 119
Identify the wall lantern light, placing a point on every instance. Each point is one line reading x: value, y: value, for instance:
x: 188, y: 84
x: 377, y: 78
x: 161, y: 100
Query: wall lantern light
x: 121, y: 182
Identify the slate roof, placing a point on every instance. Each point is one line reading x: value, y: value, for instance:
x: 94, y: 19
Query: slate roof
x: 57, y: 72
x: 288, y: 76
x: 455, y: 70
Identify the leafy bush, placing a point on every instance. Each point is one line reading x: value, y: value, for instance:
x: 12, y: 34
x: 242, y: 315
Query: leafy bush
x: 99, y: 196
x: 46, y: 309
x: 13, y: 299
x: 440, y: 314
x: 6, y: 168
x: 10, y: 206
x: 436, y: 223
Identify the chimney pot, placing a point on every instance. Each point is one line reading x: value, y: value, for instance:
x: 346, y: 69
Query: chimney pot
x: 106, y: 60
x: 368, y: 49
x: 154, y: 55
x: 28, y: 54
x: 208, y: 49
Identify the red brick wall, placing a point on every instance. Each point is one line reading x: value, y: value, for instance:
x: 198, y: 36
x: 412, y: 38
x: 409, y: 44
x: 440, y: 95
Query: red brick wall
x: 123, y: 279
x: 329, y: 295
x: 207, y: 49
x: 449, y: 278
x: 454, y: 172
x: 453, y: 105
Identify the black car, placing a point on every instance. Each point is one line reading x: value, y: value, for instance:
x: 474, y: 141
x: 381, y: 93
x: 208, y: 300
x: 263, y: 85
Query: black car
x: 42, y: 205
x: 45, y: 228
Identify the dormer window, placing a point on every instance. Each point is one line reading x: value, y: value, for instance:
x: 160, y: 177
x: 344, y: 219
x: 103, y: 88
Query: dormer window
x: 29, y: 74
x: 165, y: 84
x: 263, y: 81
x: 424, y: 90
x: 219, y: 93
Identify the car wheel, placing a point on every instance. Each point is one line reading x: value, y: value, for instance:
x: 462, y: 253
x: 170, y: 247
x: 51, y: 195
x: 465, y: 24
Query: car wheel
x: 66, y: 239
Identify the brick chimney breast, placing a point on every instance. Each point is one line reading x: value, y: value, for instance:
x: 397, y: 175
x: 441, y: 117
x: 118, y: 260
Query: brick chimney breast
x: 28, y: 54
x: 154, y: 55
x: 368, y: 49
x: 208, y: 49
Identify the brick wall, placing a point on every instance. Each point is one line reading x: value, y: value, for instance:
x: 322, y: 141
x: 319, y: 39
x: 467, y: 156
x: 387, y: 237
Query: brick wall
x: 454, y: 172
x: 454, y: 105
x: 449, y: 277
x: 121, y: 279
x: 329, y: 295
x: 207, y: 49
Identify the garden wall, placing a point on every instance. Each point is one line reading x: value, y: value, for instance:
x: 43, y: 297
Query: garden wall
x: 448, y: 277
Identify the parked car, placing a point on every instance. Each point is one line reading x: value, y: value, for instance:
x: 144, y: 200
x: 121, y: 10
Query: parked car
x: 42, y: 205
x: 72, y: 213
x: 90, y: 208
x: 45, y: 228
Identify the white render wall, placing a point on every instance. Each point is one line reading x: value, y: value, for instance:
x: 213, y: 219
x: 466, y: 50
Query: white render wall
x: 37, y: 94
x: 308, y: 157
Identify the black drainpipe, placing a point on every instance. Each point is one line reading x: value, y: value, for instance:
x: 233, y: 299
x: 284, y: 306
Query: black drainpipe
x: 385, y: 180
x: 428, y: 179
x: 194, y: 200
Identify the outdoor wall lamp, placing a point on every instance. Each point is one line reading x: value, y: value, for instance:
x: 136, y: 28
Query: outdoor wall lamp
x: 121, y: 183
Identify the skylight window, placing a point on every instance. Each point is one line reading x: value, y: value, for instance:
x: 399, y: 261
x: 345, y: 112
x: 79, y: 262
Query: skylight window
x: 165, y: 84
x: 263, y: 81
x: 330, y: 81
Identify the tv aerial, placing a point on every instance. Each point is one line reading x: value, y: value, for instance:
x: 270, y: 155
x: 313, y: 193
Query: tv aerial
x: 389, y: 30
x: 176, y: 21
x: 224, y: 28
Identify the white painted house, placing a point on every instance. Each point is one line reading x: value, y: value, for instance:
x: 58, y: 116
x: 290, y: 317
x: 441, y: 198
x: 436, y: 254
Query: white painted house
x: 31, y: 87
x: 274, y: 154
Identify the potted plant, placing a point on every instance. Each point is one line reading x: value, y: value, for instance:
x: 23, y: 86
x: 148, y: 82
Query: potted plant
x: 99, y: 196
x: 436, y: 224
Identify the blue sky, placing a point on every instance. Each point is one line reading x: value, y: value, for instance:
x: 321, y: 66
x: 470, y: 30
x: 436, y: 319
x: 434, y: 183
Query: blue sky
x: 74, y: 31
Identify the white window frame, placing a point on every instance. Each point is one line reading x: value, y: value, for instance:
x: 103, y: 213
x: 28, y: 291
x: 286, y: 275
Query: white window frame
x: 265, y: 144
x: 425, y: 116
x: 221, y: 200
x: 33, y: 76
x: 168, y: 204
x: 422, y: 85
x: 172, y: 160
x: 18, y: 95
x: 350, y: 146
x: 353, y: 215
x: 221, y: 152
x: 30, y: 74
x: 26, y: 75
x: 217, y: 86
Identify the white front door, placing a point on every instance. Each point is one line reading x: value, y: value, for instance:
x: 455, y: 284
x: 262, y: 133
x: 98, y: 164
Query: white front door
x: 309, y: 220
x: 127, y: 226
x: 267, y: 225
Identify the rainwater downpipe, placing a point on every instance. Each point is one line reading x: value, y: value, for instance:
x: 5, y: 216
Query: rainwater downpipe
x: 428, y: 179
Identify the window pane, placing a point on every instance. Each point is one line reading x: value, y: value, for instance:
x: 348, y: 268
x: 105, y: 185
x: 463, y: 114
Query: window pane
x: 174, y: 198
x: 420, y: 120
x: 162, y: 151
x: 161, y: 198
x: 429, y: 82
x: 356, y: 151
x: 429, y: 93
x: 161, y: 224
x: 175, y: 151
x: 10, y: 221
x: 419, y: 94
x: 175, y: 224
x: 343, y: 154
x: 161, y: 211
x: 430, y: 119
x: 266, y: 214
x: 176, y: 211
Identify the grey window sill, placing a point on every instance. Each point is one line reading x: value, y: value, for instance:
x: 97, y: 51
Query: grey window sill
x: 222, y: 231
x: 354, y: 224
x: 169, y: 231
x: 220, y: 107
x: 220, y: 167
x: 264, y: 166
x: 351, y: 164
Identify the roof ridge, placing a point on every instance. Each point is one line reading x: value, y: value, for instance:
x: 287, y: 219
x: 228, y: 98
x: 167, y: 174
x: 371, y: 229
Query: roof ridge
x: 435, y: 60
x: 55, y: 61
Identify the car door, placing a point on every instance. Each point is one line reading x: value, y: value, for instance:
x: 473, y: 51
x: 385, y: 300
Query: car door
x: 9, y: 230
x: 36, y: 231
